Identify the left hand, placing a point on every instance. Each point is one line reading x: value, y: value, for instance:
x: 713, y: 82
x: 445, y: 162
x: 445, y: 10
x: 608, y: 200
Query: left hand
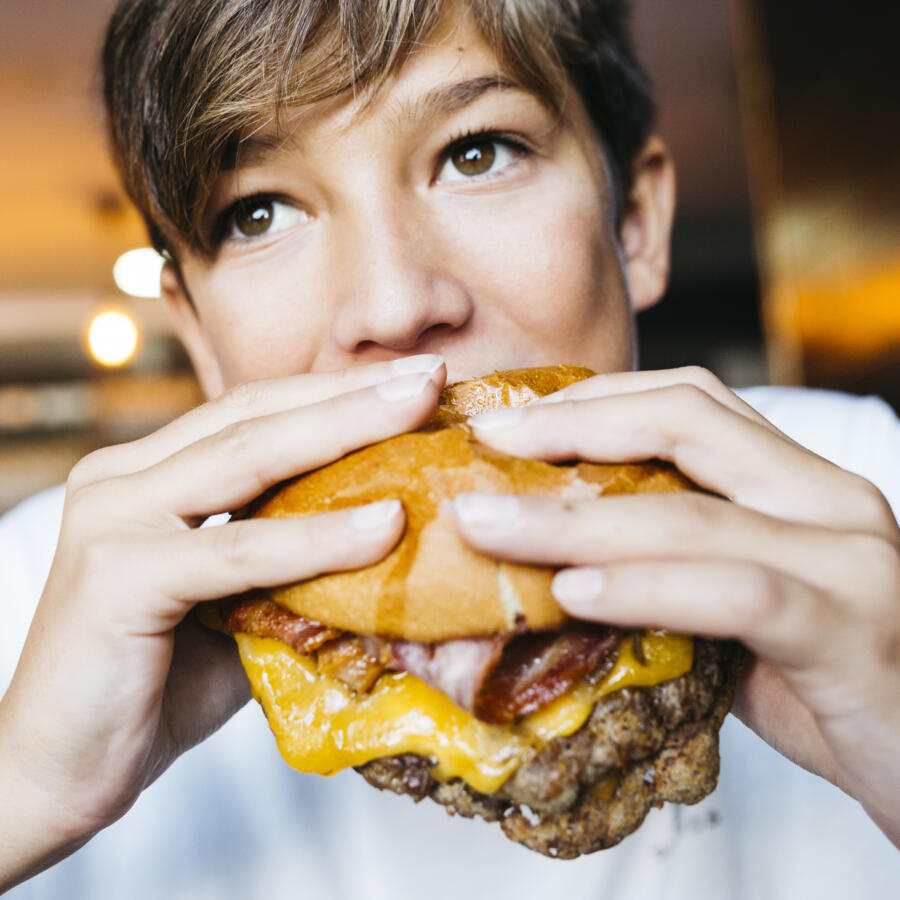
x: 796, y: 558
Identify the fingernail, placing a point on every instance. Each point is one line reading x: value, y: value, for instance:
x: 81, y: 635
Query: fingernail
x: 422, y: 362
x: 483, y: 510
x: 556, y: 397
x: 375, y: 516
x: 578, y: 590
x: 404, y: 387
x: 497, y: 418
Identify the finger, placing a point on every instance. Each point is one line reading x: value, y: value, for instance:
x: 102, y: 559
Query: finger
x: 207, y: 563
x: 251, y: 400
x: 613, y: 383
x: 228, y: 469
x: 718, y: 448
x: 782, y: 618
x: 555, y: 531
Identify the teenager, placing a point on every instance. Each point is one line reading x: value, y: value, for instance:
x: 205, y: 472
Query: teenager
x: 359, y: 200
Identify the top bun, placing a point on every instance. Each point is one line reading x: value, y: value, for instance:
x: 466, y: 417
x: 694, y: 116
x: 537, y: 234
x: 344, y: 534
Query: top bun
x: 433, y: 586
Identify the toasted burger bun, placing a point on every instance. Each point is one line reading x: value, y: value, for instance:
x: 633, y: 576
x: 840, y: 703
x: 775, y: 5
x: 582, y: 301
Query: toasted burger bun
x: 433, y: 586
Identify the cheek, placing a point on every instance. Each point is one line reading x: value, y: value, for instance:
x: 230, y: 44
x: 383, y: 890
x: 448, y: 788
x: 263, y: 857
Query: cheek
x: 552, y: 266
x: 250, y: 313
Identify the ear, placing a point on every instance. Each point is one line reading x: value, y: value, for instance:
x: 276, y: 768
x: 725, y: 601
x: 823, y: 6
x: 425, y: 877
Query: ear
x: 647, y: 224
x: 187, y: 325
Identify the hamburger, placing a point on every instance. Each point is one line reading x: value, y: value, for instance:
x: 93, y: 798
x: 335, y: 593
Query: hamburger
x: 441, y: 673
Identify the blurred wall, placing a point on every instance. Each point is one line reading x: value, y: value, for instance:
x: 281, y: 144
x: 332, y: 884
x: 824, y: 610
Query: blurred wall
x: 820, y: 97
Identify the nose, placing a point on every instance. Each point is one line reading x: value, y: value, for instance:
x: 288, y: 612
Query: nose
x: 395, y: 284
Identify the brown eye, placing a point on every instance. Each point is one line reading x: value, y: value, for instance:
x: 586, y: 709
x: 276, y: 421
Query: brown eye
x: 254, y: 219
x: 480, y: 158
x: 474, y: 159
x: 260, y: 216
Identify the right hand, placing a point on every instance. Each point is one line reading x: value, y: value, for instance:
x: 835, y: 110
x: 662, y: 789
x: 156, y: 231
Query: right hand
x: 113, y: 682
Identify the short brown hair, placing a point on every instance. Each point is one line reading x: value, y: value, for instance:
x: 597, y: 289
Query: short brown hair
x: 184, y: 80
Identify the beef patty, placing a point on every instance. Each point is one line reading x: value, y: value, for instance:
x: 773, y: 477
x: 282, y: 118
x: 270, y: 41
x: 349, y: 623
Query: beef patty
x: 639, y: 748
x: 577, y: 794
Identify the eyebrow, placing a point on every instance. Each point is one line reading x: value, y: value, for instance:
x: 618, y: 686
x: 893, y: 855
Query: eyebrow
x: 446, y: 99
x: 257, y: 148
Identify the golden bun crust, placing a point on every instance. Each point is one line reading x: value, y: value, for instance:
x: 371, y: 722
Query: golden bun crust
x: 432, y: 586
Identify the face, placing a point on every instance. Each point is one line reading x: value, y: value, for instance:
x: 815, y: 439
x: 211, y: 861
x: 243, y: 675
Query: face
x: 454, y: 214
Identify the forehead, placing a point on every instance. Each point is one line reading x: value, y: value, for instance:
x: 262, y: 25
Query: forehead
x: 453, y: 68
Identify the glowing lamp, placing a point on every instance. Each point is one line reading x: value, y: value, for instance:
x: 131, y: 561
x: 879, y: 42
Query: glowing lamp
x: 112, y: 338
x: 137, y: 272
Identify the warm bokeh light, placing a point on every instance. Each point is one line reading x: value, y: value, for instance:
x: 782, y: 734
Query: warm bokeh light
x: 853, y: 314
x: 112, y: 338
x: 137, y: 272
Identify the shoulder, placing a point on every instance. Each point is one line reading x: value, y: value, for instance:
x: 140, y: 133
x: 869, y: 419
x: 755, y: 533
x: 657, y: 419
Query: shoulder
x: 33, y: 526
x: 860, y: 434
x: 43, y: 507
x: 823, y: 420
x: 28, y: 535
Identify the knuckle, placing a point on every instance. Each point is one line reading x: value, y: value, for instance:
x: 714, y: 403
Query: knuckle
x: 759, y: 594
x: 232, y: 546
x: 886, y: 641
x: 234, y: 440
x: 80, y: 474
x: 882, y: 621
x: 687, y: 396
x: 685, y: 406
x: 89, y: 469
x: 879, y: 559
x: 699, y: 511
x: 86, y: 505
x: 335, y: 438
x: 682, y: 518
x: 245, y: 399
x: 703, y: 379
x: 873, y: 505
x: 567, y: 418
x: 569, y: 411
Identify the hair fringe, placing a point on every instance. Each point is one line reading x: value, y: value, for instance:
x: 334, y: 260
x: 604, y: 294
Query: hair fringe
x: 186, y: 80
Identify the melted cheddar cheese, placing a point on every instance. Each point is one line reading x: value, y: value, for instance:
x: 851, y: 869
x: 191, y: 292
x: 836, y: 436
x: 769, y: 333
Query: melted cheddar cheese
x: 321, y: 726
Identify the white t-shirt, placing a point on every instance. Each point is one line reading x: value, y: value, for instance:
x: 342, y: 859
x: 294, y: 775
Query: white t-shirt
x: 230, y: 819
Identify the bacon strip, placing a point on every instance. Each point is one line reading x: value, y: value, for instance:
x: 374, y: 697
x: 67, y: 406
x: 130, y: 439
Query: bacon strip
x: 497, y: 678
x: 255, y: 613
x: 535, y: 669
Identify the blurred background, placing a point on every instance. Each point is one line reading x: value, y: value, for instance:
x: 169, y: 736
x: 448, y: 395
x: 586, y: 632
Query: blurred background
x: 782, y: 117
